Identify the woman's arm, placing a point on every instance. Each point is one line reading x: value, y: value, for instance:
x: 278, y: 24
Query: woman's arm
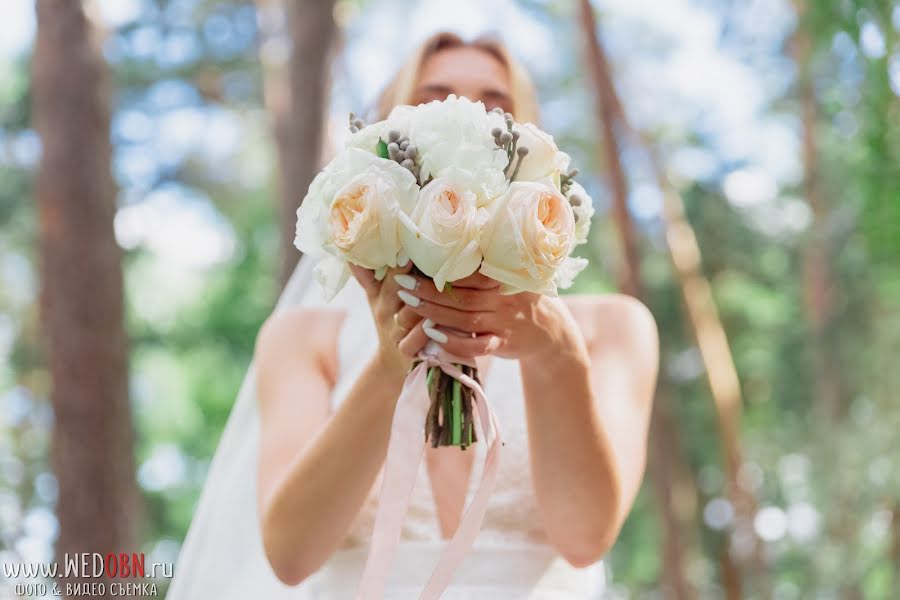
x: 588, y: 395
x: 315, y: 471
x: 588, y: 406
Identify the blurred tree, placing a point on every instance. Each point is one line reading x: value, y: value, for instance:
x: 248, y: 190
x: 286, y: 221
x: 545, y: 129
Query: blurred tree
x: 719, y: 367
x: 296, y: 96
x: 82, y: 297
x: 844, y: 54
x: 191, y: 141
x: 696, y: 293
x: 819, y: 286
x: 665, y: 460
x: 189, y: 136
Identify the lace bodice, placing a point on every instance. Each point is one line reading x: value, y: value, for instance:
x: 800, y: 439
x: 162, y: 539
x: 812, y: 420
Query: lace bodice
x: 512, y: 513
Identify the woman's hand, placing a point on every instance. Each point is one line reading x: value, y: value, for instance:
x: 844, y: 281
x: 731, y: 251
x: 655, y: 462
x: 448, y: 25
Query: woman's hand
x: 472, y: 318
x: 400, y: 333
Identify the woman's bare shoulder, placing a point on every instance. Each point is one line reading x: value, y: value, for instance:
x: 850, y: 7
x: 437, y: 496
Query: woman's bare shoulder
x: 613, y: 318
x: 297, y: 332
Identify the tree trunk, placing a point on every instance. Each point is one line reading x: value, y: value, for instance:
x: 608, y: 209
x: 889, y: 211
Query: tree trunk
x: 607, y: 108
x: 676, y: 497
x: 81, y: 296
x: 819, y: 286
x: 818, y: 281
x: 696, y: 292
x: 721, y: 373
x: 665, y: 458
x: 296, y: 96
x: 710, y: 335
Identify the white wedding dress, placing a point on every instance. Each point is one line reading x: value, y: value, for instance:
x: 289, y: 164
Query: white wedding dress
x: 222, y: 556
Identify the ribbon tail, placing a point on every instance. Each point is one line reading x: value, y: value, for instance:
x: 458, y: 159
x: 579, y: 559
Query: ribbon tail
x: 404, y: 454
x: 470, y: 524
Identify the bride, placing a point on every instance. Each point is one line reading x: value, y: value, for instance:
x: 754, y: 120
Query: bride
x: 289, y: 504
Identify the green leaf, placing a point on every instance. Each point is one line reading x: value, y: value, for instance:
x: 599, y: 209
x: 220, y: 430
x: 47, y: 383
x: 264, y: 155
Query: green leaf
x: 381, y: 148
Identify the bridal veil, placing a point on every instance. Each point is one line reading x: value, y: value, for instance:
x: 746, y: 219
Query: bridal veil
x: 222, y: 556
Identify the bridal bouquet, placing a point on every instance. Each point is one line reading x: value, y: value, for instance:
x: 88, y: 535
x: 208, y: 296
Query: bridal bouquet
x: 456, y: 189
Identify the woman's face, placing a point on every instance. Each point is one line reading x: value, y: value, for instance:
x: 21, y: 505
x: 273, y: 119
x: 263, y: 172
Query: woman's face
x: 464, y: 71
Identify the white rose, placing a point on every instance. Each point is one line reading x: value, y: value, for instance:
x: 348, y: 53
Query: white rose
x: 352, y: 207
x: 441, y: 235
x: 544, y: 158
x: 527, y: 240
x: 583, y: 207
x: 455, y: 135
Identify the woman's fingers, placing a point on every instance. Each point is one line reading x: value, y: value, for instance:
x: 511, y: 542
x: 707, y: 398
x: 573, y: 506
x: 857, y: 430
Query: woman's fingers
x: 385, y: 303
x: 404, y: 321
x: 464, y: 312
x: 467, y: 299
x: 414, y: 341
x: 389, y: 301
x: 366, y: 279
x: 466, y: 346
x: 406, y: 318
x: 389, y: 284
x: 372, y: 285
x: 471, y: 322
x: 477, y: 281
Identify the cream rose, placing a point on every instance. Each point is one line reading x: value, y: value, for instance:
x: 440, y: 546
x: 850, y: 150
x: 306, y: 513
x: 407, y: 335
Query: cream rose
x: 544, y: 158
x: 352, y: 209
x: 441, y: 235
x: 527, y: 239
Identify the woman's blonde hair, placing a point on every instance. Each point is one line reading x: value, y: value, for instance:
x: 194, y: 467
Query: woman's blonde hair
x: 400, y: 89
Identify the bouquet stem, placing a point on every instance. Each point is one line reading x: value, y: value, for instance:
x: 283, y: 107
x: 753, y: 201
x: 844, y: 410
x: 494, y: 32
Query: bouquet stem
x: 456, y: 415
x: 449, y: 420
x: 450, y: 417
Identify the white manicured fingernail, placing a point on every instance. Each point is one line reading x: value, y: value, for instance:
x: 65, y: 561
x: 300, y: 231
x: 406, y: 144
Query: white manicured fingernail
x: 402, y: 259
x: 406, y: 281
x: 427, y: 324
x: 409, y: 298
x: 436, y: 335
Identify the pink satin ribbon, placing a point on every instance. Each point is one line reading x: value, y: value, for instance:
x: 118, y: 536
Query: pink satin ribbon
x: 404, y: 455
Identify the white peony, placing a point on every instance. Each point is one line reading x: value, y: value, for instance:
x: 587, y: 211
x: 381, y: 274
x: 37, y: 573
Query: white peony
x: 544, y: 158
x: 367, y: 137
x: 583, y: 208
x: 352, y: 210
x: 527, y: 239
x: 455, y: 135
x: 441, y: 235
